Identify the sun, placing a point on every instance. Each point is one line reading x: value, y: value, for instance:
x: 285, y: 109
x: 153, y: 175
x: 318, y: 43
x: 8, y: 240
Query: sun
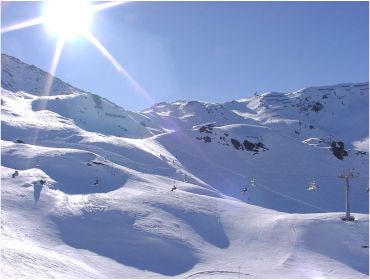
x: 68, y: 18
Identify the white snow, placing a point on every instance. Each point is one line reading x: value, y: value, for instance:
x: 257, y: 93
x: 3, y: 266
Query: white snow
x: 93, y: 199
x: 362, y: 145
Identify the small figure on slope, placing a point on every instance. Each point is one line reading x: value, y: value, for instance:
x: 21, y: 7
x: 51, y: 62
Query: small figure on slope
x: 244, y: 190
x: 15, y: 174
x: 96, y: 181
x: 174, y: 186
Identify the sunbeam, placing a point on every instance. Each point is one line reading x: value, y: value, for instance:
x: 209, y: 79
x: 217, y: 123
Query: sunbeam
x: 54, y: 65
x: 49, y: 81
x: 138, y: 88
x: 24, y: 24
x: 107, y: 5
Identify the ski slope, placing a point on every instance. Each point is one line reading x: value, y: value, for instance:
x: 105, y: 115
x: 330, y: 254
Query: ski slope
x: 93, y: 200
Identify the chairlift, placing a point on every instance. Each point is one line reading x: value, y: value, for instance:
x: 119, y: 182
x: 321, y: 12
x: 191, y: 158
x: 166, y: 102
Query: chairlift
x: 312, y: 186
x: 253, y: 182
x: 244, y: 190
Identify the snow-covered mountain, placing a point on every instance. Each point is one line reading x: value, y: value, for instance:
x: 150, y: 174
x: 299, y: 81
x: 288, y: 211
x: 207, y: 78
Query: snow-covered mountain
x: 187, y: 189
x: 84, y: 108
x: 19, y: 76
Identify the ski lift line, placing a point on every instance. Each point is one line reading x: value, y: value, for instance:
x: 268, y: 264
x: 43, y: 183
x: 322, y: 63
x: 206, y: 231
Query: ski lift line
x: 289, y: 197
x: 287, y: 175
x: 292, y: 198
x: 305, y: 175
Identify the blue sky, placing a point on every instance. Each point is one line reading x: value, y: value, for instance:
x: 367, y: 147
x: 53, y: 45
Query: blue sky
x: 208, y: 51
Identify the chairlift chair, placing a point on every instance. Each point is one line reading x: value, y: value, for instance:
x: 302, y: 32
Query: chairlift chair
x: 253, y: 182
x: 312, y: 186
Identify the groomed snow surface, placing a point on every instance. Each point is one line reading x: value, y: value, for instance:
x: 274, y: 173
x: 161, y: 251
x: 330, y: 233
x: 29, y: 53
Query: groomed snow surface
x: 101, y: 192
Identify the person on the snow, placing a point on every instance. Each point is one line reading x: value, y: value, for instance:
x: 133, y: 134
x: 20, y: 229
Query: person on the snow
x: 15, y: 174
x: 96, y: 181
x: 174, y: 186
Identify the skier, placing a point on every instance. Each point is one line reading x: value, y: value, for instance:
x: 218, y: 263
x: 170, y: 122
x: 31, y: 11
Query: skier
x: 174, y: 187
x: 96, y: 181
x: 15, y: 174
x: 244, y: 190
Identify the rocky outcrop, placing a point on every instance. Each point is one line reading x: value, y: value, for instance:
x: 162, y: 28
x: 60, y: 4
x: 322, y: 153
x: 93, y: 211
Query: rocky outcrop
x: 338, y: 150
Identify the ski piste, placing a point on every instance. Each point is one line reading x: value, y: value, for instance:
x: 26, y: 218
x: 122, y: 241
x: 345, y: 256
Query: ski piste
x: 286, y: 149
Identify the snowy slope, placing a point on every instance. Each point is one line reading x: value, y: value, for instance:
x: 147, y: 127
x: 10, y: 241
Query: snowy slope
x: 141, y: 231
x: 19, y: 76
x: 87, y: 111
x: 94, y: 200
x: 284, y: 141
x: 339, y: 111
x: 282, y: 171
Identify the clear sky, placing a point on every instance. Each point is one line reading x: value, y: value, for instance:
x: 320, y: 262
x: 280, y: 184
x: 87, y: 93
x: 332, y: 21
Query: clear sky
x: 207, y: 51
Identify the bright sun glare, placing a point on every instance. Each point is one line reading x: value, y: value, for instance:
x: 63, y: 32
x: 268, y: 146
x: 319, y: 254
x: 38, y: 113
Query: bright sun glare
x: 68, y: 18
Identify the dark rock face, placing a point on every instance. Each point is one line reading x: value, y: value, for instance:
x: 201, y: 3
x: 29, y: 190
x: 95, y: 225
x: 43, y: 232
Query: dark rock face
x: 262, y: 146
x: 338, y: 150
x: 207, y: 139
x: 317, y: 107
x: 224, y: 140
x: 236, y: 144
x: 207, y: 128
x: 254, y: 147
x: 361, y: 153
x: 249, y: 146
